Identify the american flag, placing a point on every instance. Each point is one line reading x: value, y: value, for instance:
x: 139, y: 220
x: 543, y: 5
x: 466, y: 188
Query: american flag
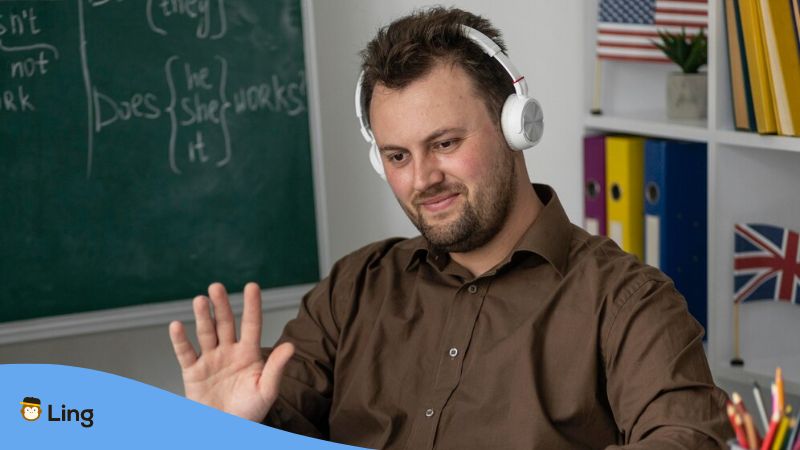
x: 766, y: 264
x: 626, y: 28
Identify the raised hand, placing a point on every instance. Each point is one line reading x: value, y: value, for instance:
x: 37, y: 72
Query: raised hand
x: 229, y: 375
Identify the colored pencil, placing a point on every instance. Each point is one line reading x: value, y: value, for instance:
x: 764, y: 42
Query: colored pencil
x: 795, y: 424
x: 753, y: 439
x: 762, y: 413
x: 769, y: 437
x: 780, y: 436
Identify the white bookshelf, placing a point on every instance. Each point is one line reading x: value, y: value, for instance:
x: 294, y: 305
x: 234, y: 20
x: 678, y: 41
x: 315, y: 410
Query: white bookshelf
x: 751, y: 178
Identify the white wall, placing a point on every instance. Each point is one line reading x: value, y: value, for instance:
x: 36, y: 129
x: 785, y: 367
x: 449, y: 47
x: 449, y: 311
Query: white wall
x: 544, y: 40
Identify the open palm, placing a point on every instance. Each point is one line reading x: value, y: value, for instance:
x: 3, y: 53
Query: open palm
x: 229, y: 375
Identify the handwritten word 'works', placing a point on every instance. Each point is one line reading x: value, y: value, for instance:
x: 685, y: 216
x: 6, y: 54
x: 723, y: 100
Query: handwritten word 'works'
x: 163, y: 14
x: 275, y: 96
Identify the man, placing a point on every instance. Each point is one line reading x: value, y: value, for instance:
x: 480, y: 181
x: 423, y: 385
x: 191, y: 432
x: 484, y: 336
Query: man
x: 502, y: 326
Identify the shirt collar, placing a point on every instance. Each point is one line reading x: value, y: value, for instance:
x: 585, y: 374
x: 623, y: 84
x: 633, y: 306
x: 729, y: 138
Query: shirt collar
x: 549, y: 236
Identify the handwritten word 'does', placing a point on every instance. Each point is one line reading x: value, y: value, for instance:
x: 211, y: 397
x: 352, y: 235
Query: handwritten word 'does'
x: 107, y: 110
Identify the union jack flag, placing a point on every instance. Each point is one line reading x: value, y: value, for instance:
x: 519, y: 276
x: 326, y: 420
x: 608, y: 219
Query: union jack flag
x: 766, y: 264
x: 626, y: 28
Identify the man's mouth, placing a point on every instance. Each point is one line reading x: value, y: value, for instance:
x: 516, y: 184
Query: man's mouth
x: 439, y: 202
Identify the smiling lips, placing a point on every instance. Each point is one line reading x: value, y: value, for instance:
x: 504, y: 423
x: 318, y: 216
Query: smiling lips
x: 440, y: 202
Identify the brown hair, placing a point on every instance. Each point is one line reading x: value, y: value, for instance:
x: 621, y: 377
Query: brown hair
x: 409, y: 47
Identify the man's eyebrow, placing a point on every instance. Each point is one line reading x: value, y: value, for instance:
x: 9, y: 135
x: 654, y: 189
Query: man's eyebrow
x: 429, y: 138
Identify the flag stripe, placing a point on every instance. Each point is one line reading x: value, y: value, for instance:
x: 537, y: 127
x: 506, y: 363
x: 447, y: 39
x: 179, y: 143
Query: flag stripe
x: 680, y: 19
x: 632, y: 52
x: 625, y: 40
x: 683, y: 6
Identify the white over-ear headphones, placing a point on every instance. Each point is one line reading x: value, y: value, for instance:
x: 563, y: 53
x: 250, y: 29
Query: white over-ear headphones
x: 521, y: 118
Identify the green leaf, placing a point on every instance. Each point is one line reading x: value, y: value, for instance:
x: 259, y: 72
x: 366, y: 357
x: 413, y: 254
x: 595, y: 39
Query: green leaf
x: 688, y: 52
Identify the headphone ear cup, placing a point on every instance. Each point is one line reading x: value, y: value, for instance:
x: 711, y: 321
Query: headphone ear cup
x: 375, y: 159
x: 522, y: 122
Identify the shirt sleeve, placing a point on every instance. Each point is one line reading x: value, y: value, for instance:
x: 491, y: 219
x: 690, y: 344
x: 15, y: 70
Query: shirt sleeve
x: 306, y: 388
x: 658, y: 382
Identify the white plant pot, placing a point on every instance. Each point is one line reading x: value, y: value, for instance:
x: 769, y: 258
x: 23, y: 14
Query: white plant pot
x: 687, y: 95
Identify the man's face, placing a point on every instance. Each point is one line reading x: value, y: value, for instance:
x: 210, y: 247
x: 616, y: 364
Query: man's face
x: 445, y: 160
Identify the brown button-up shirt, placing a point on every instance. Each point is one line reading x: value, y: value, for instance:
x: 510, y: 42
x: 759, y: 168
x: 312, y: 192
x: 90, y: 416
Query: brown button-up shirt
x: 567, y: 343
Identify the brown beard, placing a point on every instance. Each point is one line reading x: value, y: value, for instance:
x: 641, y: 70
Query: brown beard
x: 479, y: 221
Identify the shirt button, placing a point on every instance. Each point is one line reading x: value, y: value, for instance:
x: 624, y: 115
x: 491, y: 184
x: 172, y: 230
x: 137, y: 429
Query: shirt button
x: 453, y: 352
x: 472, y: 289
x: 429, y: 413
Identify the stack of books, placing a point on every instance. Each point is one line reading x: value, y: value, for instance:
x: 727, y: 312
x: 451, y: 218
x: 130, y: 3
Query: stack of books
x: 764, y: 53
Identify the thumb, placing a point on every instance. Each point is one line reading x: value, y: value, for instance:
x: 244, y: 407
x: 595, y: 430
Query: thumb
x: 273, y: 370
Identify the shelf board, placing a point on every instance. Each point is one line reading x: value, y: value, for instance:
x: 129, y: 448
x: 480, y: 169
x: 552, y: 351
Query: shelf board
x: 649, y: 123
x: 750, y: 139
x: 763, y: 371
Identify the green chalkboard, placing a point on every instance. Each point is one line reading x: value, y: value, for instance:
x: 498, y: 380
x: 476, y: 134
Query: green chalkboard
x: 148, y: 148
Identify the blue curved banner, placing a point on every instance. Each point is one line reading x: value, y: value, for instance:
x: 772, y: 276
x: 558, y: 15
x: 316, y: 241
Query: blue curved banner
x: 53, y: 406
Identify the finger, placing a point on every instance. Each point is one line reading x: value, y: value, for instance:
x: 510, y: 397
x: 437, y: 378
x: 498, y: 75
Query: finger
x: 223, y: 316
x: 251, y: 317
x: 273, y: 370
x: 206, y: 331
x: 184, y: 350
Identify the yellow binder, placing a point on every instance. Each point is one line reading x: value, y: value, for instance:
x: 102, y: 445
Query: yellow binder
x: 625, y: 192
x: 783, y: 64
x: 754, y: 46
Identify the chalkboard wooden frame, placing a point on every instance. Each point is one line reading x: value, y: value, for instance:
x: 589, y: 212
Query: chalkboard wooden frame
x: 162, y: 313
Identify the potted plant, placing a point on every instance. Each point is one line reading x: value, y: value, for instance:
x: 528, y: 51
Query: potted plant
x: 687, y: 91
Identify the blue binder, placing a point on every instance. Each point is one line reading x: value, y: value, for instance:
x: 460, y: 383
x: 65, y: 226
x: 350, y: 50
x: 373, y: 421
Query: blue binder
x: 676, y: 217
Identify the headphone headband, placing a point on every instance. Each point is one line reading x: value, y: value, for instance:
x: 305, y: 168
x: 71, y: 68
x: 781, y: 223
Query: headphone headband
x: 492, y: 49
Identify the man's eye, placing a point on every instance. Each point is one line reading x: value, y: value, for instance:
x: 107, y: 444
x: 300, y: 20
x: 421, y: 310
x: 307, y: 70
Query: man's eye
x: 444, y: 145
x: 396, y: 157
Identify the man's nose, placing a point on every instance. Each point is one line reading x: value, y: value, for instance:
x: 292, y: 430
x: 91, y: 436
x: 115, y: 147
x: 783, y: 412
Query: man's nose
x: 427, y: 172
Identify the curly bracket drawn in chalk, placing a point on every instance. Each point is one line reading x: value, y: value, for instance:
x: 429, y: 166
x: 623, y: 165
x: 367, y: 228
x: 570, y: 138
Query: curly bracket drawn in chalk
x: 173, y: 118
x: 225, y: 105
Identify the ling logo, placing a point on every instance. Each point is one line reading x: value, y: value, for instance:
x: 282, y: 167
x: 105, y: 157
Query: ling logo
x: 31, y: 408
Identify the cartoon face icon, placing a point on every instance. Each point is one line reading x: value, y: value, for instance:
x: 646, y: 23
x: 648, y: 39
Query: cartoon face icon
x: 31, y: 408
